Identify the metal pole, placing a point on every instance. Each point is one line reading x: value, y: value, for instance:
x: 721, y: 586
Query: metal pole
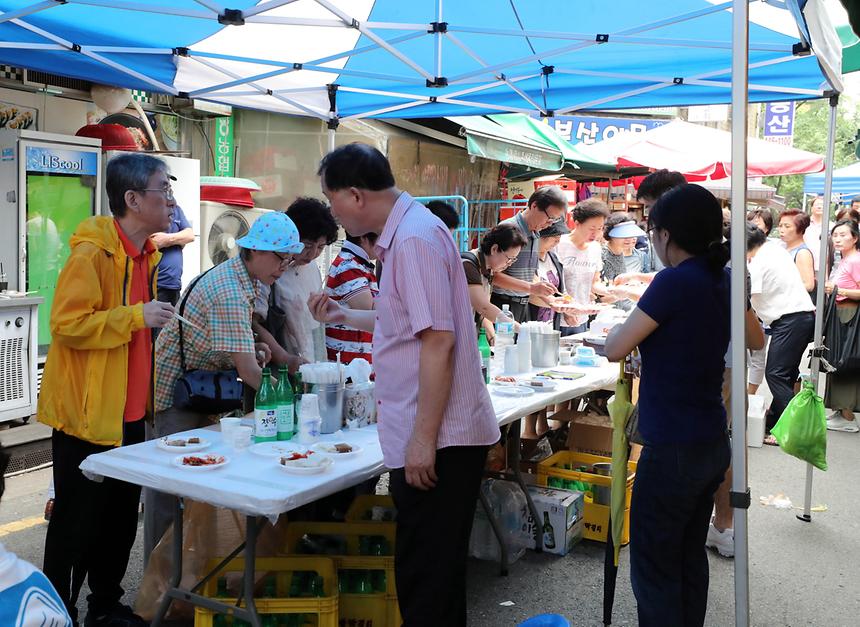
x: 815, y: 366
x: 740, y: 494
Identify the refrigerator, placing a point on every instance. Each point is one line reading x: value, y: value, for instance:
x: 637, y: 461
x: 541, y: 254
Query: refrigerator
x: 49, y: 183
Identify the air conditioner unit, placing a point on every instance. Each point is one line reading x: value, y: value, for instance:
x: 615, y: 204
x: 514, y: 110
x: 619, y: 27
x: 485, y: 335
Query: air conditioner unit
x: 18, y: 387
x: 220, y: 226
x: 67, y: 86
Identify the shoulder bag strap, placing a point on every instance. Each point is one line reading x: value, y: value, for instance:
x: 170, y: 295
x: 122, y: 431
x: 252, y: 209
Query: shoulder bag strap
x: 182, y: 313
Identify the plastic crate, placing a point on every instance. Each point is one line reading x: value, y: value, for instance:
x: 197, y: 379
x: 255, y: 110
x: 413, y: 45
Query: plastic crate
x: 596, y: 516
x: 350, y: 554
x: 361, y: 508
x: 325, y: 608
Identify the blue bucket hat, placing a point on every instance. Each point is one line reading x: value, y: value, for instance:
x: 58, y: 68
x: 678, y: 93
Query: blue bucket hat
x: 623, y: 230
x: 274, y: 232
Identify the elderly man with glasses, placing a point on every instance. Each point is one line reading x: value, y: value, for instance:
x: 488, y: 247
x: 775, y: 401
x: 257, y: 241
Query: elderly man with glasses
x: 96, y: 385
x: 518, y: 283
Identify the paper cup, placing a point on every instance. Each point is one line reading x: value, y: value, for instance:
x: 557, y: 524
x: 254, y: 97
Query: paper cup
x: 227, y: 427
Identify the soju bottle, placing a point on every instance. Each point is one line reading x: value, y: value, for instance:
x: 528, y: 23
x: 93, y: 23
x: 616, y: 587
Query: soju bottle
x: 548, y: 533
x: 265, y: 408
x: 484, y: 348
x: 298, y: 389
x: 285, y: 413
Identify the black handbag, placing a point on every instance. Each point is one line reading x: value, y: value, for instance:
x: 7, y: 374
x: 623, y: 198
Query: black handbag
x: 276, y: 318
x: 841, y: 338
x: 205, y: 391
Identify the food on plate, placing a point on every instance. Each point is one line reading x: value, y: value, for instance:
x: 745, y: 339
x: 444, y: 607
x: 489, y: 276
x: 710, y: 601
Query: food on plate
x: 181, y: 441
x: 296, y: 455
x: 341, y: 447
x: 202, y: 460
x: 505, y: 379
x: 305, y: 460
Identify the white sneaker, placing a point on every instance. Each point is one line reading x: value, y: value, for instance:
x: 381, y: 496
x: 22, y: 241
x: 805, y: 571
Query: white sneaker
x: 838, y: 423
x: 722, y: 541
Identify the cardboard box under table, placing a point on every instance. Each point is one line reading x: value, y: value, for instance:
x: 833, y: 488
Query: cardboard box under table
x: 561, y: 466
x: 561, y: 523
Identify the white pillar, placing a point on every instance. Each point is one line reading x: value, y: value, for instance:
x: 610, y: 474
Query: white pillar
x: 740, y: 489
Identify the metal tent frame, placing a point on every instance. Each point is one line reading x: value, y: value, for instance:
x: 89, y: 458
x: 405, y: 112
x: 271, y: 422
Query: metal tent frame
x: 417, y: 86
x: 252, y: 82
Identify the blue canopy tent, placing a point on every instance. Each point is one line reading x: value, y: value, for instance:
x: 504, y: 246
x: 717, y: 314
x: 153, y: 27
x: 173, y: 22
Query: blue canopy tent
x: 427, y: 58
x: 339, y: 59
x: 846, y: 182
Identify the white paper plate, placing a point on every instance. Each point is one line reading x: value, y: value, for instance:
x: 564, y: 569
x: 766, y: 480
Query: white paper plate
x: 177, y: 461
x: 514, y: 390
x: 595, y: 339
x: 548, y: 385
x: 326, y: 462
x: 320, y: 447
x: 188, y: 448
x: 274, y: 449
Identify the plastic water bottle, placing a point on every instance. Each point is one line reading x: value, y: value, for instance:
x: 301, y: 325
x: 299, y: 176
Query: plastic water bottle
x: 265, y: 410
x: 284, y: 399
x: 504, y: 327
x: 524, y: 349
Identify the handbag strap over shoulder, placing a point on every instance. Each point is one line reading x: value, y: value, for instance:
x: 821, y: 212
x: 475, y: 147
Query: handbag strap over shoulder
x: 182, y: 313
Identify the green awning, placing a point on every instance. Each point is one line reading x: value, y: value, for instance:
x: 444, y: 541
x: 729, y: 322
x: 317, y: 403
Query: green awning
x: 850, y: 49
x: 518, y: 139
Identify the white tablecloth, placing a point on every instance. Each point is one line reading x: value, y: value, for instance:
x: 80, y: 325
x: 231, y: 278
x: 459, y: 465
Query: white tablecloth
x: 255, y: 485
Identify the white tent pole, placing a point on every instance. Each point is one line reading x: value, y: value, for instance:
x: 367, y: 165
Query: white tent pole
x: 815, y: 366
x: 212, y: 6
x: 739, y: 496
x: 437, y: 44
x: 24, y: 11
x: 147, y: 8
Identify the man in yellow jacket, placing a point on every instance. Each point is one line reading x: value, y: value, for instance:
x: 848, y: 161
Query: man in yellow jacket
x: 98, y: 381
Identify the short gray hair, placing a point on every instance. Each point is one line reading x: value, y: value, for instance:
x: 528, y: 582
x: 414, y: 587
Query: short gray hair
x: 129, y: 172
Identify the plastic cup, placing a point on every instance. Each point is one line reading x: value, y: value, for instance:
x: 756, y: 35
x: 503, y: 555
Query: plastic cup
x: 564, y: 357
x: 240, y: 437
x: 227, y: 426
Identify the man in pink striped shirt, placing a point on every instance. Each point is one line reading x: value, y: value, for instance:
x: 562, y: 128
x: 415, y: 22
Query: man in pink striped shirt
x: 435, y: 417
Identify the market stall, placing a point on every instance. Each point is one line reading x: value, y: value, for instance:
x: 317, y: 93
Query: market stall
x: 329, y: 60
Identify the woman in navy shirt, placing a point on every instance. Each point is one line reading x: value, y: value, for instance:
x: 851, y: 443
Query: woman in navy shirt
x: 681, y: 326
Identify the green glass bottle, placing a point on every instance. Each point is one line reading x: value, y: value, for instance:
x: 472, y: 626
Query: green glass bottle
x: 484, y: 348
x: 286, y: 416
x: 298, y: 389
x: 265, y: 420
x: 548, y: 533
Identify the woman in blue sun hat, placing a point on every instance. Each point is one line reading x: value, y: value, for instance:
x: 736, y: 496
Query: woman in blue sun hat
x: 620, y: 255
x: 220, y: 304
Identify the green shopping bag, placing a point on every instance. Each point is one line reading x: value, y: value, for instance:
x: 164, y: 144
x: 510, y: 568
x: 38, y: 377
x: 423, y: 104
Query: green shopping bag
x: 802, y: 428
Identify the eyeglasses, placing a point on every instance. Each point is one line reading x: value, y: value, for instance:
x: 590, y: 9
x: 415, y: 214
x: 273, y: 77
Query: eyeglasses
x: 284, y: 259
x: 553, y: 220
x: 510, y: 259
x: 166, y: 191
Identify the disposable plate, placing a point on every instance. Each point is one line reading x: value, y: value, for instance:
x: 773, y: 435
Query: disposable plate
x: 178, y: 461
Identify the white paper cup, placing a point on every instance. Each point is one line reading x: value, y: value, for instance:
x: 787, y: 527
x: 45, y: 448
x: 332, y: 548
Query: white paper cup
x: 564, y: 358
x: 240, y: 437
x: 227, y: 427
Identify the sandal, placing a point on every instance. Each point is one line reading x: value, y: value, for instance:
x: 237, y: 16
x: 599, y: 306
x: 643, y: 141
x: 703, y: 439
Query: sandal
x: 770, y: 440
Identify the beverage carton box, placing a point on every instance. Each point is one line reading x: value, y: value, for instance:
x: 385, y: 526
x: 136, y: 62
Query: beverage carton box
x: 562, y: 518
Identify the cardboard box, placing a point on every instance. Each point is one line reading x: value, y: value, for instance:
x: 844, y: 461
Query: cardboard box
x: 591, y: 434
x: 562, y: 520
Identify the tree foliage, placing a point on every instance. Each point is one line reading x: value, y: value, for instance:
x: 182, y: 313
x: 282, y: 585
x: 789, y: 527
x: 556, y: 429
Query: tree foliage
x: 811, y: 120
